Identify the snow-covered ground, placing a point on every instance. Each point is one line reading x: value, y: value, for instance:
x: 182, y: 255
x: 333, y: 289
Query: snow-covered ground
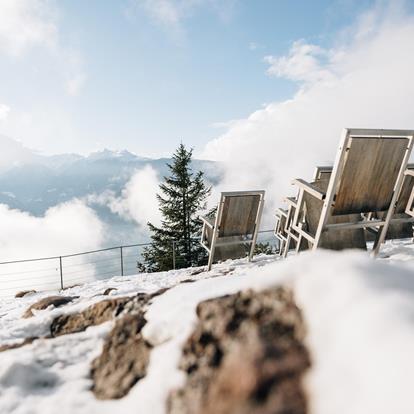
x: 360, y: 332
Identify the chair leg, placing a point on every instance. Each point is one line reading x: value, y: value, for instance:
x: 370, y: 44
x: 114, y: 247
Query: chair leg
x: 298, y: 244
x: 287, y: 245
x: 210, y: 260
x: 281, y: 247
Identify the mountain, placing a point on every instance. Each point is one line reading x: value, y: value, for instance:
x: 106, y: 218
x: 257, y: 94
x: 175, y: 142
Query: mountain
x: 13, y: 154
x: 32, y: 182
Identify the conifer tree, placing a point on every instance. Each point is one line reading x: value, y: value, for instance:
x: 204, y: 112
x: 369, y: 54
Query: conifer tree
x: 182, y: 198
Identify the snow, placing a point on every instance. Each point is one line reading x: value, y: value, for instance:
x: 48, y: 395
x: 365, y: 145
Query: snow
x: 360, y: 332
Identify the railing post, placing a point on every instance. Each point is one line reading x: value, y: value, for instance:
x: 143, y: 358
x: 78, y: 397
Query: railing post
x: 61, y: 272
x: 173, y: 249
x: 122, y: 261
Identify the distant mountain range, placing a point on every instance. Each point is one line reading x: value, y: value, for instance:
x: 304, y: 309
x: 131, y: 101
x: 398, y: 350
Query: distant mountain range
x: 33, y: 183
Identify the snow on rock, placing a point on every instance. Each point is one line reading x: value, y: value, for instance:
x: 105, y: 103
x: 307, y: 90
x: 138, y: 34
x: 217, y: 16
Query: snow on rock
x: 359, y: 314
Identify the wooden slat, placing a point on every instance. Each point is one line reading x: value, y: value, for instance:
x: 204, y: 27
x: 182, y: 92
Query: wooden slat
x: 338, y: 239
x: 400, y: 230
x: 369, y: 175
x: 239, y: 215
x: 231, y: 251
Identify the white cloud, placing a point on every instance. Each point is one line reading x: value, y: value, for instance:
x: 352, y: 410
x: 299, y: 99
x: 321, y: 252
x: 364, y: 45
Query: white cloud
x: 74, y: 72
x: 26, y: 23
x: 170, y: 14
x: 138, y: 201
x: 75, y: 84
x: 370, y: 84
x: 302, y: 64
x: 255, y: 46
x: 64, y: 229
x: 4, y: 112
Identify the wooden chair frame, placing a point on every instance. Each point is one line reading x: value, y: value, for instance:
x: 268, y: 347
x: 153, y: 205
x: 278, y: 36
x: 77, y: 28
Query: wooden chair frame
x: 328, y: 196
x: 292, y: 206
x: 280, y: 229
x: 215, y: 228
x: 410, y: 205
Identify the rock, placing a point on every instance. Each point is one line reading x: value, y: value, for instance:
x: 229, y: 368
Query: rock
x: 123, y: 361
x: 24, y: 293
x: 44, y: 303
x: 101, y: 312
x: 93, y: 315
x: 107, y: 291
x: 245, y: 356
x: 26, y: 341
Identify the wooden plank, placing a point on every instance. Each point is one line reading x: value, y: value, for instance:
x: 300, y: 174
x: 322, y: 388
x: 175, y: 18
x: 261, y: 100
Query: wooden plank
x: 369, y: 175
x: 334, y: 240
x: 400, y: 230
x: 239, y: 215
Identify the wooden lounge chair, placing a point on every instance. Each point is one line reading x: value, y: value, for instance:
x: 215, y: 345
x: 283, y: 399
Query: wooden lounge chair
x: 291, y: 238
x: 367, y: 177
x: 401, y: 225
x: 409, y: 209
x: 233, y: 232
x: 280, y: 228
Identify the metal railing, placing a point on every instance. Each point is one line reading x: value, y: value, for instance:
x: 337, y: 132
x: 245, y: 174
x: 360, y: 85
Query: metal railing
x: 60, y: 272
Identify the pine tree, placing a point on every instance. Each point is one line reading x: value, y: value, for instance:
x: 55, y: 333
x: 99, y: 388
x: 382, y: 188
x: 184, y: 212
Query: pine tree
x: 182, y: 198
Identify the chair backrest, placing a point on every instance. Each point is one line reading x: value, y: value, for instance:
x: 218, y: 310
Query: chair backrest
x: 281, y: 217
x: 368, y: 167
x: 239, y: 213
x: 405, y: 192
x: 322, y: 173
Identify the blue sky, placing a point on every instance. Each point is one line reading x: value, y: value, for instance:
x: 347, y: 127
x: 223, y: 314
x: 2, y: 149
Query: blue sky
x: 146, y: 74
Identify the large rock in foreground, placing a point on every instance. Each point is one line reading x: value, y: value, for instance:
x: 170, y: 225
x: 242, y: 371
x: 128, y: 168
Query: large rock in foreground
x: 245, y: 356
x: 123, y: 361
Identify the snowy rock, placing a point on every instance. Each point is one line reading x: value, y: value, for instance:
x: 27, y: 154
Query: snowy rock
x: 123, y: 361
x: 26, y: 341
x: 107, y: 291
x: 44, y: 303
x: 94, y: 315
x: 246, y: 355
x: 23, y: 293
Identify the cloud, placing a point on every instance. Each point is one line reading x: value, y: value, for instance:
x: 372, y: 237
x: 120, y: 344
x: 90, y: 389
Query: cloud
x: 64, y: 229
x: 170, y: 14
x: 365, y: 80
x: 138, y: 201
x: 304, y: 63
x: 255, y: 46
x: 4, y: 112
x: 27, y: 24
x: 74, y: 72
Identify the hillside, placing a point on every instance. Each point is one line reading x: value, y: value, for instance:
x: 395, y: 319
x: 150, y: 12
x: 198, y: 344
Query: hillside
x: 317, y: 333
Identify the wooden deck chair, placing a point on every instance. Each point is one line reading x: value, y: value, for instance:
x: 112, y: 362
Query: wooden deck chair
x: 367, y: 177
x: 292, y: 239
x: 410, y: 204
x: 401, y: 224
x: 280, y: 228
x: 281, y: 225
x: 233, y: 232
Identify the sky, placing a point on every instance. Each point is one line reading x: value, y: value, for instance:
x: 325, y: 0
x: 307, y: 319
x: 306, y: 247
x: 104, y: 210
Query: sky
x: 79, y: 76
x: 265, y: 87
